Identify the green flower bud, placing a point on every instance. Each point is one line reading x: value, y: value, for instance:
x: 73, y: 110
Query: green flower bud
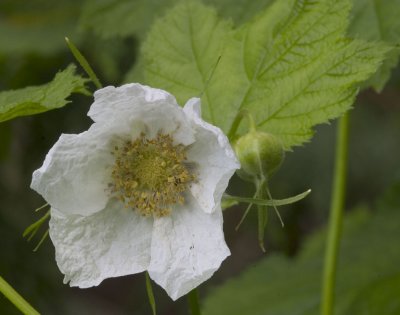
x: 260, y: 155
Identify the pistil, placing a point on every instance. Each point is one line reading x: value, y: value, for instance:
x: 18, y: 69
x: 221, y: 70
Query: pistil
x: 151, y: 175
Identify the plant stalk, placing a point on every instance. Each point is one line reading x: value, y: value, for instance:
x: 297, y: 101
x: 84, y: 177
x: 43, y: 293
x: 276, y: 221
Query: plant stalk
x: 335, y: 218
x: 16, y: 299
x: 262, y: 213
x: 150, y: 294
x: 193, y: 299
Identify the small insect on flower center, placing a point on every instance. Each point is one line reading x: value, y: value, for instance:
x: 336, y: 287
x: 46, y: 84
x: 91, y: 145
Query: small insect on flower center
x: 150, y: 175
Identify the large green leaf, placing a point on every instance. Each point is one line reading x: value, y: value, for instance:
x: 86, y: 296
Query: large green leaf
x: 291, y: 66
x: 37, y: 99
x: 240, y: 11
x: 368, y: 272
x: 378, y: 20
x: 182, y: 50
x: 136, y: 17
x: 379, y: 298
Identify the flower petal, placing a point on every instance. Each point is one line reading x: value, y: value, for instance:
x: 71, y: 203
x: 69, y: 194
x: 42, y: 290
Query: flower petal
x: 187, y: 248
x: 74, y: 175
x: 135, y: 104
x: 215, y: 159
x: 111, y: 243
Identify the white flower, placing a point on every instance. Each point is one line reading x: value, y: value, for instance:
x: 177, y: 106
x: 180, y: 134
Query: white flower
x: 140, y: 190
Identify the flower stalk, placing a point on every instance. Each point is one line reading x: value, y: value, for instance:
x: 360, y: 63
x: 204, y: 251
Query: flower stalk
x: 16, y: 299
x: 193, y: 300
x: 150, y: 294
x: 335, y: 218
x: 262, y: 213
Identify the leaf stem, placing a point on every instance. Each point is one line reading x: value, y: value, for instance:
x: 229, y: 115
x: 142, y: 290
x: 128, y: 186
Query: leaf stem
x: 193, y: 299
x: 16, y: 299
x: 335, y: 217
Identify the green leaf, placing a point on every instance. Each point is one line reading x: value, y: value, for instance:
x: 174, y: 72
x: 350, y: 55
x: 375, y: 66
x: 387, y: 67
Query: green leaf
x: 37, y: 99
x: 378, y: 20
x: 120, y: 18
x: 182, y: 49
x: 380, y: 297
x: 368, y: 259
x: 291, y: 66
x: 239, y: 10
x: 39, y: 26
x: 135, y: 74
x: 136, y: 17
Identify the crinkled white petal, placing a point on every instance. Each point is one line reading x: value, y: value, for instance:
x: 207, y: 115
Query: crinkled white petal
x: 133, y: 105
x: 96, y: 237
x: 187, y: 248
x: 75, y: 173
x: 111, y: 243
x: 215, y: 159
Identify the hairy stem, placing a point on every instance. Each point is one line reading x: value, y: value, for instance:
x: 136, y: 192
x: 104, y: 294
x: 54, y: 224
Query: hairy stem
x: 335, y: 218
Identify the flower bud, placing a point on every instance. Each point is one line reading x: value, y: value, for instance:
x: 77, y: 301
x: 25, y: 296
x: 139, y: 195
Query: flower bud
x: 260, y: 155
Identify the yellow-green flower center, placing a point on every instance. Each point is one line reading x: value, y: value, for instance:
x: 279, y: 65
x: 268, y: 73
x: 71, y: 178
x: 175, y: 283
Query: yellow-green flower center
x: 150, y: 175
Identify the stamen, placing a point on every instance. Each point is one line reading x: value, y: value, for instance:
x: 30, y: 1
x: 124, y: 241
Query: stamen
x: 150, y: 175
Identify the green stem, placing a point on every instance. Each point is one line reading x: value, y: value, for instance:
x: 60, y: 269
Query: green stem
x: 261, y: 213
x: 16, y: 299
x: 238, y: 119
x: 335, y: 217
x: 193, y: 299
x: 150, y: 294
x: 235, y: 126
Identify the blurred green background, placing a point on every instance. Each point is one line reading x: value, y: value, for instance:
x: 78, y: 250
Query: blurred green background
x: 32, y: 50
